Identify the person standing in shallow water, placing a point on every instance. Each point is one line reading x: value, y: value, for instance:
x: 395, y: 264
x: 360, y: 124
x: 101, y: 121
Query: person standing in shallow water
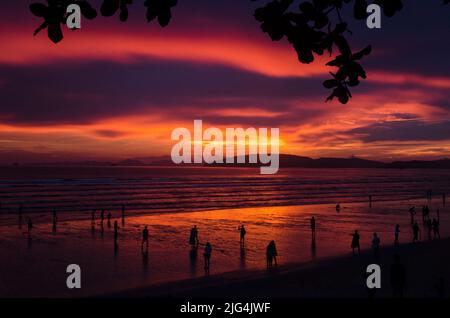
x: 271, y: 254
x: 312, y: 223
x: 416, y: 231
x: 242, y: 234
x: 145, y: 237
x: 355, y: 242
x: 207, y: 255
x: 412, y: 212
x: 396, y: 234
x: 193, y: 238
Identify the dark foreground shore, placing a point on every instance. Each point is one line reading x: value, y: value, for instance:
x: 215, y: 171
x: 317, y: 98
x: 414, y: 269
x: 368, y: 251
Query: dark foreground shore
x: 427, y: 263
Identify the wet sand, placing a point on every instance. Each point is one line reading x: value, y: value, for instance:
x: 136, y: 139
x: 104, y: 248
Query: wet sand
x: 37, y: 267
x: 341, y: 277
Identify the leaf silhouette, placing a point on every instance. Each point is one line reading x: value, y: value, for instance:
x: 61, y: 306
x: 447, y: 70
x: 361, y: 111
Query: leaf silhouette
x: 161, y: 9
x: 312, y: 28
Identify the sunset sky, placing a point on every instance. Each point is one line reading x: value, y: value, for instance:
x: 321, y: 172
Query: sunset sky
x: 116, y: 90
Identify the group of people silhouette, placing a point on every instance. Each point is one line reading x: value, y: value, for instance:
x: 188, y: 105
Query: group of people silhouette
x: 397, y: 270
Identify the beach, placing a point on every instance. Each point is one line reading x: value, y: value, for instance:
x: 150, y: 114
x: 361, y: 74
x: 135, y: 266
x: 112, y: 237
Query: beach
x: 36, y: 267
x: 336, y: 277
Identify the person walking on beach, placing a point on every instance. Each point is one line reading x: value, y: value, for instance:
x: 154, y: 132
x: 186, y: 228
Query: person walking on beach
x: 271, y: 254
x: 109, y: 219
x: 242, y: 234
x: 398, y: 277
x: 145, y: 237
x: 375, y: 244
x: 436, y: 228
x: 355, y: 242
x: 396, y: 234
x: 312, y: 223
x: 416, y: 231
x: 207, y: 255
x: 412, y: 212
x: 193, y: 238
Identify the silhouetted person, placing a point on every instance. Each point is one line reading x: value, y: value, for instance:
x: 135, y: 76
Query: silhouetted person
x: 93, y: 216
x: 416, y: 231
x: 109, y: 219
x: 312, y: 223
x: 435, y: 226
x: 355, y: 242
x: 145, y: 237
x: 375, y: 244
x: 338, y: 208
x: 398, y: 277
x: 412, y: 212
x: 193, y: 238
x: 207, y: 256
x: 271, y: 254
x: 242, y: 234
x: 370, y: 201
x: 20, y: 216
x: 443, y: 199
x: 102, y: 216
x: 425, y: 214
x: 123, y: 214
x: 396, y: 234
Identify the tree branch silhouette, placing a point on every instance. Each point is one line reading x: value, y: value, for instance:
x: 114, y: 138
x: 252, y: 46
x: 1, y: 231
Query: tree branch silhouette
x: 312, y: 28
